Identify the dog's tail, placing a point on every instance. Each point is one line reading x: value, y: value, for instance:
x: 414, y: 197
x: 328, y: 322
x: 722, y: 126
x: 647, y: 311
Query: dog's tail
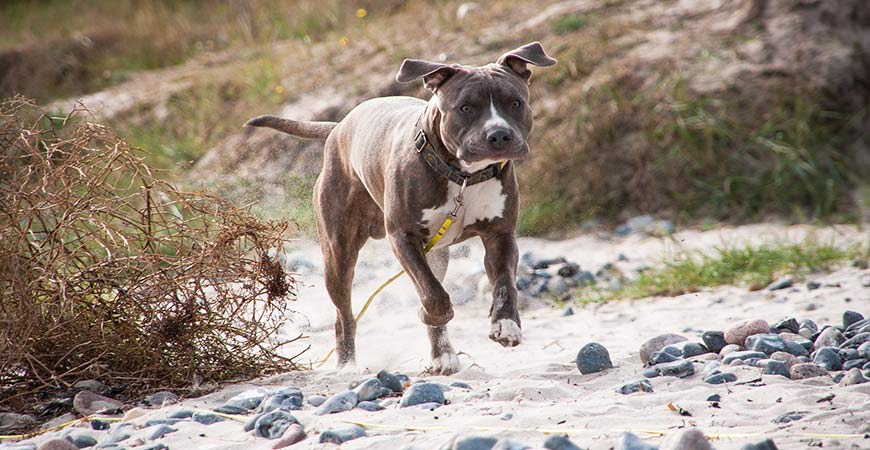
x: 305, y: 130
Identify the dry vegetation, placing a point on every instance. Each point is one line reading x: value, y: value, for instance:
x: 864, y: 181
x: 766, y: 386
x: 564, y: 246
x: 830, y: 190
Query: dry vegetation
x: 109, y: 273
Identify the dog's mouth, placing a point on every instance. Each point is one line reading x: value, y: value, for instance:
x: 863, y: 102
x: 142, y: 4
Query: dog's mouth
x: 472, y: 154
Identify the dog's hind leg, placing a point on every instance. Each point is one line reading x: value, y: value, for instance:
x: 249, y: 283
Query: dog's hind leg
x: 444, y: 359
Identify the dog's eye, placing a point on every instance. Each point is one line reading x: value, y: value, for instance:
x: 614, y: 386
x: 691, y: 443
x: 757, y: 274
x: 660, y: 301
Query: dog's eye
x: 516, y: 104
x: 465, y: 108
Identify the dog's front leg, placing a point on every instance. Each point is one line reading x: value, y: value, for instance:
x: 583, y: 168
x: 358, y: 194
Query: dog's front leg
x: 436, y: 310
x: 501, y: 268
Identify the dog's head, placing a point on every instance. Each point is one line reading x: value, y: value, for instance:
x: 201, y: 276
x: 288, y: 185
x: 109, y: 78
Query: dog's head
x: 484, y: 113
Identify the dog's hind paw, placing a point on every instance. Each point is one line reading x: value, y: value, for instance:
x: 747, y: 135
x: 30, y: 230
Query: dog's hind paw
x: 506, y: 332
x: 445, y: 364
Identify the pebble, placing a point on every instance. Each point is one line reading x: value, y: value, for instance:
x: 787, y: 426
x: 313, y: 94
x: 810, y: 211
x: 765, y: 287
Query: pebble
x: 422, y: 393
x: 807, y: 370
x: 81, y: 439
x: 369, y: 406
x: 766, y: 343
x: 635, y: 386
x: 662, y: 357
x: 854, y: 363
x: 471, y: 443
x: 272, y: 425
x: 852, y: 377
x: 18, y: 446
x: 720, y: 378
x: 342, y: 435
x: 766, y: 444
x: 507, y: 444
x: 847, y: 354
x: 728, y: 349
x: 858, y: 325
x: 781, y: 283
x: 569, y: 311
x: 774, y: 367
x: 134, y: 413
x: 828, y: 358
x: 58, y: 444
x: 656, y: 344
x: 243, y: 403
x: 795, y: 349
x: 628, y: 441
x: 206, y: 418
x: 743, y: 355
x: 559, y: 442
x: 460, y: 385
x: 807, y: 344
x: 431, y: 406
x: 87, y: 403
x: 850, y: 317
x: 686, y: 439
x: 11, y: 422
x: 99, y: 425
x: 390, y: 381
x: 737, y: 333
x: 340, y: 402
x: 829, y: 337
x: 91, y: 385
x: 682, y: 368
x: 714, y: 398
x: 856, y: 341
x: 289, y: 399
x: 791, y: 416
x: 157, y: 432
x: 368, y: 390
x: 791, y: 325
x: 710, y: 368
x: 592, y: 358
x: 864, y: 350
x: 316, y: 400
x: 506, y: 416
x: 688, y: 349
x: 294, y: 433
x: 154, y: 446
x: 714, y: 340
x: 161, y: 398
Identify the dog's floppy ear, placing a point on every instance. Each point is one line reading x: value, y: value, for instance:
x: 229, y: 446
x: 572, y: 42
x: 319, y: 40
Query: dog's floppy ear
x: 433, y: 74
x: 518, y: 59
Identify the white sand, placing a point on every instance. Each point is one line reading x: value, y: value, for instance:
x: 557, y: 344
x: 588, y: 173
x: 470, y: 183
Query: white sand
x: 538, y: 382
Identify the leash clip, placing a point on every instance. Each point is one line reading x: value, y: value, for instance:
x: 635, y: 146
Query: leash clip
x: 457, y: 200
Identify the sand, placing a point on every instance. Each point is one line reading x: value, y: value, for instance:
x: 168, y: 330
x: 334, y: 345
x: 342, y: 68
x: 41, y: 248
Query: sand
x: 538, y: 384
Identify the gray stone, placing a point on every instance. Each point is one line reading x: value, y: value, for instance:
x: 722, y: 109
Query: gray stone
x: 165, y: 421
x: 251, y: 422
x: 243, y: 402
x: 743, y: 355
x: 686, y: 439
x: 422, y: 393
x: 206, y: 418
x: 828, y: 358
x: 87, y: 403
x: 808, y: 328
x: 714, y: 340
x: 369, y: 406
x: 293, y: 434
x: 795, y: 349
x: 687, y: 349
x: 635, y: 386
x: 507, y: 444
x: 852, y: 377
x: 12, y: 422
x: 721, y: 378
x: 682, y: 368
x: 316, y: 400
x: 856, y: 341
x: 569, y: 311
x: 662, y: 357
x: 791, y: 325
x: 807, y: 344
x: 182, y: 413
x: 18, y: 446
x: 368, y: 389
x: 781, y: 283
x: 342, y: 435
x: 431, y: 406
x: 776, y: 368
x: 557, y: 286
x: 592, y: 358
x: 506, y: 416
x: 99, y: 425
x: 157, y: 432
x: 390, y: 381
x: 460, y: 385
x: 729, y: 349
x: 864, y: 350
x: 628, y: 441
x: 472, y: 443
x: 81, y: 439
x: 656, y: 344
x: 289, y: 399
x: 787, y: 358
x: 847, y: 354
x: 807, y: 370
x: 161, y: 398
x: 851, y: 317
x: 737, y: 333
x: 559, y: 442
x: 58, y: 444
x: 829, y: 337
x: 340, y: 402
x: 710, y: 368
x: 766, y: 343
x: 854, y: 363
x: 153, y: 446
x: 766, y: 444
x: 791, y: 416
x: 858, y: 325
x: 272, y: 425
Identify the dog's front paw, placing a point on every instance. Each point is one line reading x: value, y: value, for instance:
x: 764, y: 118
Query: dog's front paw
x: 506, y: 332
x: 445, y: 364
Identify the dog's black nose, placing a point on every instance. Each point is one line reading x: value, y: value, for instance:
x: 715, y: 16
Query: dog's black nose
x: 499, y: 138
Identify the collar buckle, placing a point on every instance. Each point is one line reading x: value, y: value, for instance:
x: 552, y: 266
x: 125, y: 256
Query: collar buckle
x: 420, y: 140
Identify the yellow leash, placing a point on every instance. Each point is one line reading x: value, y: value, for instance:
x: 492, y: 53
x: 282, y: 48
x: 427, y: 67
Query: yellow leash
x: 457, y: 204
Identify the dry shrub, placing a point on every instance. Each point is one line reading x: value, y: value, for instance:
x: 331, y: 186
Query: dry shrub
x: 106, y: 272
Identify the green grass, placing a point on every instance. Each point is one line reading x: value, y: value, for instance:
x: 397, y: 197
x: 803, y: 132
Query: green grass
x: 569, y: 23
x: 753, y: 267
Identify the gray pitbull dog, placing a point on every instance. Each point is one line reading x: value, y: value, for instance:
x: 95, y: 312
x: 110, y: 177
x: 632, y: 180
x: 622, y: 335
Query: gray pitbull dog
x: 393, y: 167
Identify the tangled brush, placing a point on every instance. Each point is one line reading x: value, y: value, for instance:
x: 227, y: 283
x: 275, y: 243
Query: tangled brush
x: 109, y: 273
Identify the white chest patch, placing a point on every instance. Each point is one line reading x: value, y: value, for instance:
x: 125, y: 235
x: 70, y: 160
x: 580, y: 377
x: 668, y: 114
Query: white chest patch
x: 482, y: 201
